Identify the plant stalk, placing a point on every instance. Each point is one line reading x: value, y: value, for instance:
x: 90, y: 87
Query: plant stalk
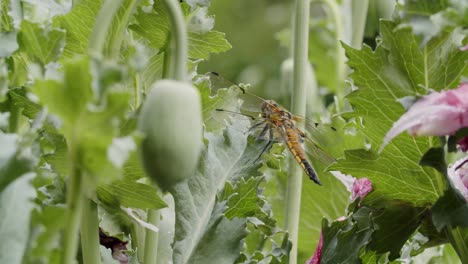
x: 339, y: 51
x: 73, y: 212
x: 359, y: 15
x: 179, y: 55
x: 102, y: 26
x: 151, y: 238
x: 90, y: 233
x: 298, y: 106
x: 15, y: 118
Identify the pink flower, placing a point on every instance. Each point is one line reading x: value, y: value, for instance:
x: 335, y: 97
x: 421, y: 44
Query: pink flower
x: 437, y: 114
x: 361, y: 188
x: 357, y: 187
x: 315, y: 259
x: 458, y: 174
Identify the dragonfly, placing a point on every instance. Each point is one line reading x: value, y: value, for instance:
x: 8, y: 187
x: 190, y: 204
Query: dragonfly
x: 271, y: 122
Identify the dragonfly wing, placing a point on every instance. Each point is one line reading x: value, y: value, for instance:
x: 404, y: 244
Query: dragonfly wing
x: 258, y: 127
x: 317, y: 153
x: 236, y: 96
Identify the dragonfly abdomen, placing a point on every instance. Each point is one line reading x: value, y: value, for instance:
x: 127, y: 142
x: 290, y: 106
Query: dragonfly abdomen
x: 295, y: 147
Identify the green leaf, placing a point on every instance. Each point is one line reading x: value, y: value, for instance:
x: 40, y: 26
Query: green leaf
x: 78, y: 24
x: 44, y: 245
x: 343, y: 240
x: 242, y: 200
x: 153, y: 26
x: 16, y: 204
x: 132, y: 194
x: 201, y: 44
x: 450, y: 210
x: 16, y: 158
x: 41, y: 44
x: 200, y: 223
x: 86, y: 126
x: 383, y: 77
x: 396, y: 224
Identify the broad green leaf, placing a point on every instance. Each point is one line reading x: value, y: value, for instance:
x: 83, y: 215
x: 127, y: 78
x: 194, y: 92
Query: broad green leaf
x: 200, y: 223
x: 16, y: 204
x: 155, y: 28
x: 78, y: 24
x: 383, y: 77
x: 450, y: 210
x: 202, y: 45
x: 132, y: 194
x: 396, y: 224
x: 41, y: 44
x: 343, y: 240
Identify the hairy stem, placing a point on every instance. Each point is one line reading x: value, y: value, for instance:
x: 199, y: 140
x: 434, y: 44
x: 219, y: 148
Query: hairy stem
x: 298, y: 106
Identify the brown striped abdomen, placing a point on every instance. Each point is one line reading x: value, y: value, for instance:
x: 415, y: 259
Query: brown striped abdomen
x: 295, y: 147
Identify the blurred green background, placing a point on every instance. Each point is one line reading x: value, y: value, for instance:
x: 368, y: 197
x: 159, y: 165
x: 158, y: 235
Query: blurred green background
x: 251, y: 27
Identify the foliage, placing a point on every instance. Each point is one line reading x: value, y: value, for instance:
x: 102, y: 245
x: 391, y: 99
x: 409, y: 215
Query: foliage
x: 68, y: 121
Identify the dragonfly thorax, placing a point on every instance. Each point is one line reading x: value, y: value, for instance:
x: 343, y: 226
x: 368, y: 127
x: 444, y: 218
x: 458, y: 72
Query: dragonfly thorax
x: 274, y: 112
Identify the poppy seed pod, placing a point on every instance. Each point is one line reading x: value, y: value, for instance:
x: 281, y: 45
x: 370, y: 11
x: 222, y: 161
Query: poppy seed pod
x: 171, y: 121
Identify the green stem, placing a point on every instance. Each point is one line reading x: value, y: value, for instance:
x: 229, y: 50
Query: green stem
x: 151, y: 239
x: 14, y: 120
x: 138, y: 239
x: 298, y: 106
x: 179, y: 34
x: 168, y: 69
x: 359, y: 14
x: 456, y: 238
x: 101, y: 27
x: 339, y: 51
x: 73, y: 212
x: 90, y: 233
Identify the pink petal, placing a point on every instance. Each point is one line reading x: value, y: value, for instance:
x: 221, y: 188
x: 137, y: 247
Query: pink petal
x: 361, y: 188
x: 458, y: 174
x: 315, y: 259
x: 357, y: 187
x: 437, y: 114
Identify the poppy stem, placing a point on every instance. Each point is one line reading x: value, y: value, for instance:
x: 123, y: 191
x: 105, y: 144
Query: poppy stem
x: 298, y: 106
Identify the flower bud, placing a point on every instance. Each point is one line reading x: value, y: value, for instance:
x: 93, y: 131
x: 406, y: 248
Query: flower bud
x: 171, y: 121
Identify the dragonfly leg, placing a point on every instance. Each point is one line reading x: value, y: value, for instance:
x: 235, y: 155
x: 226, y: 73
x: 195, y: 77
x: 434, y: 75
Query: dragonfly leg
x: 257, y: 125
x: 266, y: 129
x: 264, y: 149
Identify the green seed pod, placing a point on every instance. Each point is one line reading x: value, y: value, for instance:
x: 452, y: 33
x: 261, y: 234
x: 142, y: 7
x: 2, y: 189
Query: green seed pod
x: 171, y: 121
